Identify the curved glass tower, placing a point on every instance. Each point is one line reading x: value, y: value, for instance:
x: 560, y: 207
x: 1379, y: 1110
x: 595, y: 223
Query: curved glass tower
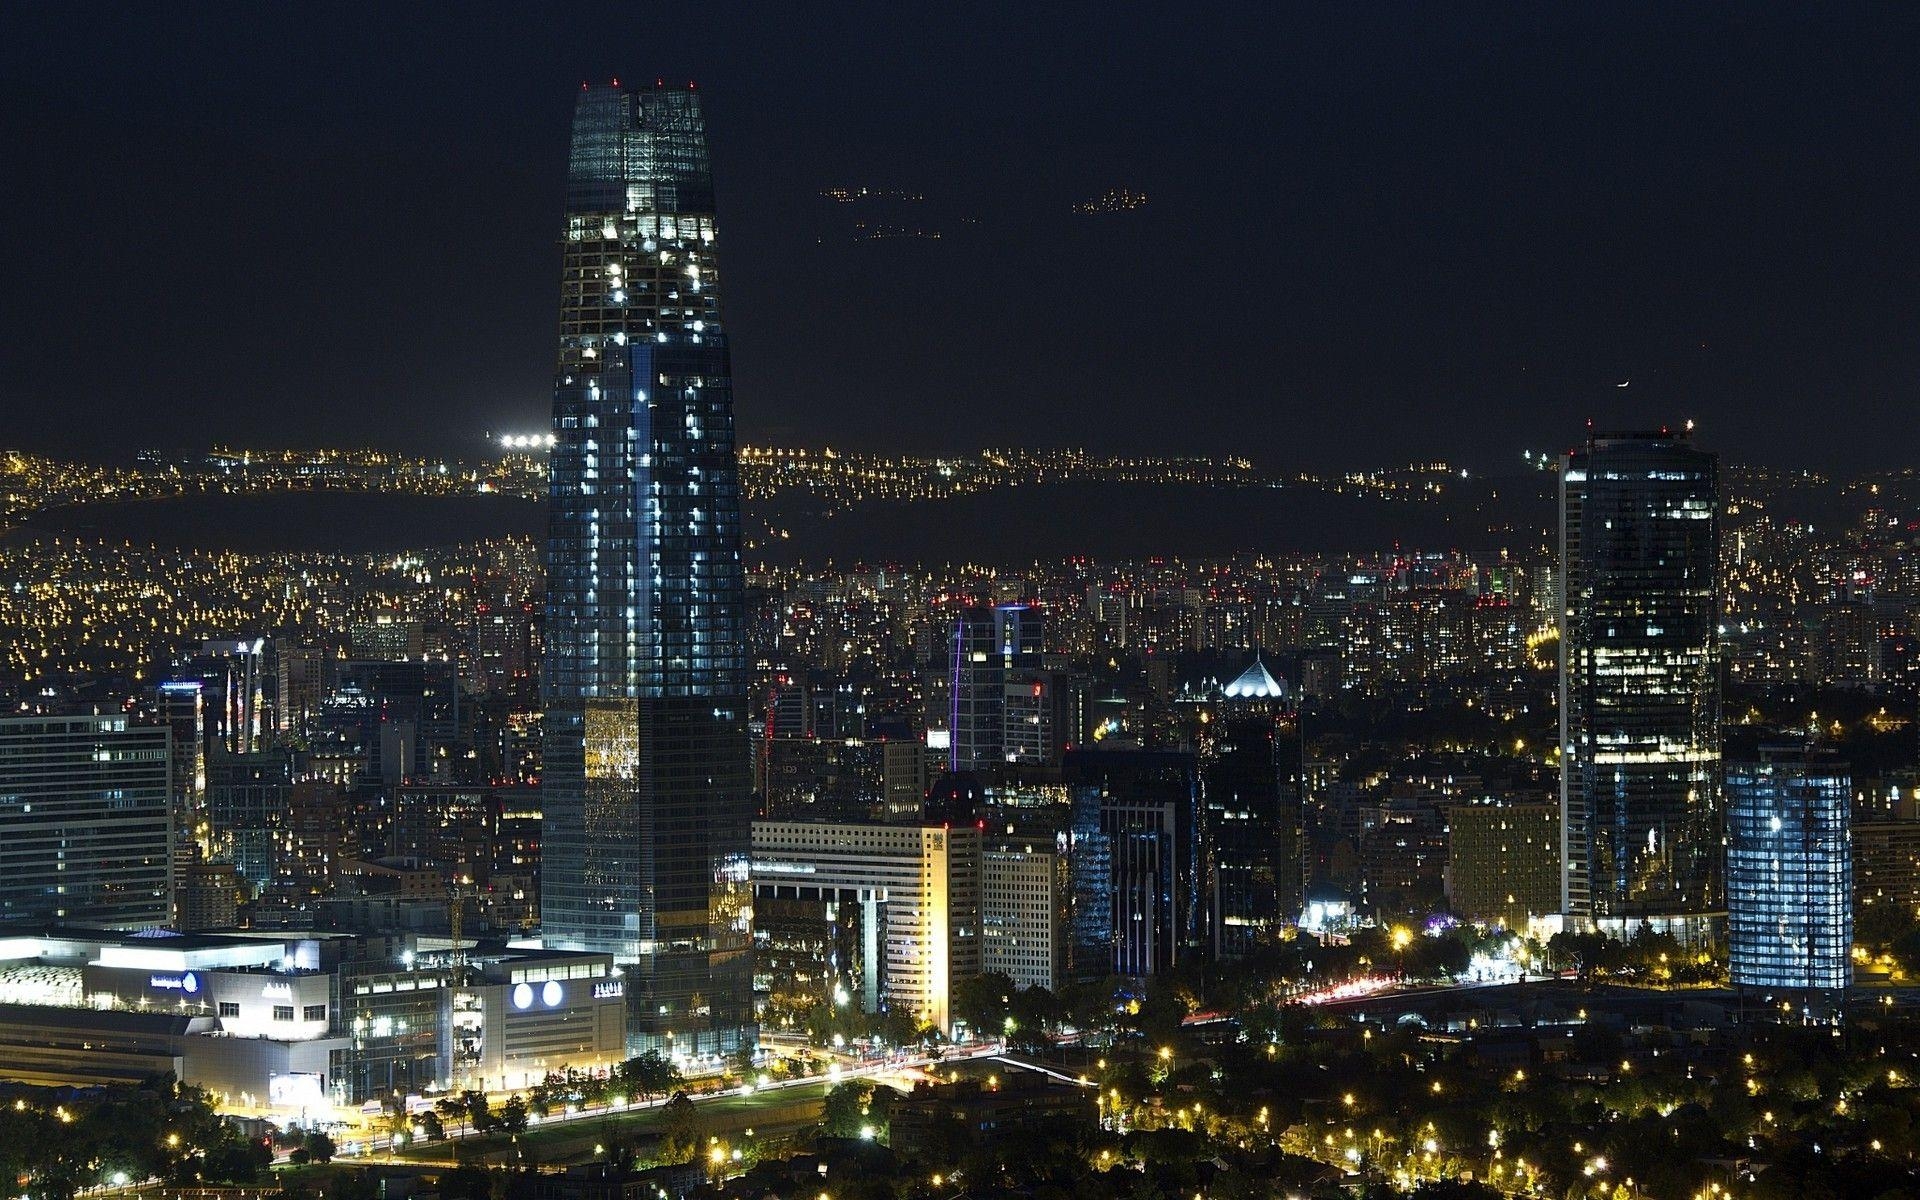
x: 647, y: 777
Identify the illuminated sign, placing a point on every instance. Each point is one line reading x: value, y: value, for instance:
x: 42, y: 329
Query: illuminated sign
x: 550, y: 995
x: 188, y: 983
x: 295, y: 1091
x: 609, y: 989
x: 277, y: 991
x: 522, y: 995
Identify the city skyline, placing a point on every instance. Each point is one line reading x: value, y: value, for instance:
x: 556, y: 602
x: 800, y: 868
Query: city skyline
x: 1475, y: 229
x: 1271, y: 766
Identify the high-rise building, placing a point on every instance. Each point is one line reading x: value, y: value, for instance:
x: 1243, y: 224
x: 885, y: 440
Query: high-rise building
x: 648, y: 769
x: 1639, y: 684
x: 1023, y: 899
x: 1135, y: 860
x: 1503, y: 861
x: 1254, y: 859
x: 84, y: 821
x: 239, y: 670
x: 910, y: 893
x: 182, y: 707
x: 1886, y: 866
x: 247, y: 798
x: 904, y: 779
x: 1790, y: 878
x: 996, y: 653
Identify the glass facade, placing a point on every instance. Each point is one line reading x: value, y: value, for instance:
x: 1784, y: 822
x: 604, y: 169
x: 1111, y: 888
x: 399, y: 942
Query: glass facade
x: 1254, y: 866
x: 85, y: 821
x: 1639, y: 683
x: 993, y: 652
x: 1137, y: 813
x: 648, y: 781
x: 1790, y: 877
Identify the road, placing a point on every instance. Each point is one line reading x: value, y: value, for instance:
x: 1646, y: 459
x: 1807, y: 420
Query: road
x: 775, y: 1108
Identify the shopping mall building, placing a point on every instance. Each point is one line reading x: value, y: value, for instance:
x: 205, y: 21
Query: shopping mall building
x: 299, y: 1023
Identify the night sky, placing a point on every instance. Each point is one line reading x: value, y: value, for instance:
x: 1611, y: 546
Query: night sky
x: 1373, y: 232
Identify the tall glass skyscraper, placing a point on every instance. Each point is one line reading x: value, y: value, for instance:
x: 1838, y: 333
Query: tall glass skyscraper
x: 647, y: 775
x: 1639, y: 684
x: 1790, y: 879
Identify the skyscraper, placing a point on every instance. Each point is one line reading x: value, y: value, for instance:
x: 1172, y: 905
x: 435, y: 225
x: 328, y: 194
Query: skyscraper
x: 1639, y: 683
x: 996, y: 656
x: 1254, y: 866
x: 1136, y: 860
x: 84, y: 821
x: 1790, y: 878
x: 648, y: 771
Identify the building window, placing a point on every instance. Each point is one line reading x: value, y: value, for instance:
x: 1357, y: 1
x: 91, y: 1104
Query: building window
x: 229, y: 1009
x: 314, y: 1012
x: 283, y: 1012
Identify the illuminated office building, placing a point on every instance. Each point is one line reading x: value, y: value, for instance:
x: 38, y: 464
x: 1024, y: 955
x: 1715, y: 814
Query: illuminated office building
x: 1790, y: 878
x: 1639, y: 684
x: 85, y: 821
x: 1503, y: 861
x: 1254, y: 865
x: 1135, y: 854
x: 648, y: 770
x: 910, y: 895
x: 1002, y: 703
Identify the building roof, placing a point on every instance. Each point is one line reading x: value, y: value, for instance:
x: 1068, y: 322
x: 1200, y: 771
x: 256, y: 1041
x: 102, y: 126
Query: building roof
x: 1256, y: 683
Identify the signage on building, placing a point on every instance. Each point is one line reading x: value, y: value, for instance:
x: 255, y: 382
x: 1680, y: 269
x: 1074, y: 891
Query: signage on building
x: 188, y: 983
x: 609, y: 989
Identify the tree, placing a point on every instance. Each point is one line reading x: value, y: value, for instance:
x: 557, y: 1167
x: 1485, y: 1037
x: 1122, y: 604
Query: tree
x: 982, y: 1001
x: 651, y: 1074
x: 680, y: 1125
x: 898, y: 1026
x: 430, y: 1127
x: 320, y: 1147
x: 478, y: 1111
x: 513, y: 1116
x: 846, y: 1110
x: 743, y: 1059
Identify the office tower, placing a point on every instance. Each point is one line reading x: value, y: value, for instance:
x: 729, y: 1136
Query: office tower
x: 648, y: 771
x: 1886, y: 865
x: 903, y: 780
x: 182, y: 708
x: 504, y: 645
x: 247, y: 795
x: 84, y: 822
x: 909, y: 895
x: 239, y: 673
x: 1503, y: 861
x: 311, y: 841
x: 995, y: 650
x: 206, y: 896
x: 1254, y: 858
x: 1790, y: 878
x: 302, y: 681
x: 1402, y: 860
x: 1135, y: 860
x: 1639, y: 684
x: 1023, y: 905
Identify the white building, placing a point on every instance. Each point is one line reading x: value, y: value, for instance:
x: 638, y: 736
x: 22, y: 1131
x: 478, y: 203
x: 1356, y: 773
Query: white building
x: 918, y: 893
x: 1023, y: 890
